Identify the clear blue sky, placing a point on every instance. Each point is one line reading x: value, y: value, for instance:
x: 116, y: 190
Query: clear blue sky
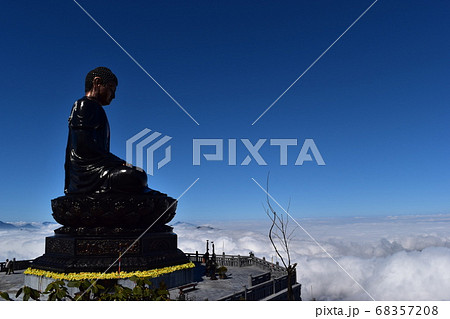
x: 376, y: 104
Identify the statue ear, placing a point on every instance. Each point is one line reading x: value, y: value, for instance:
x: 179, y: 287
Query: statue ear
x: 97, y: 81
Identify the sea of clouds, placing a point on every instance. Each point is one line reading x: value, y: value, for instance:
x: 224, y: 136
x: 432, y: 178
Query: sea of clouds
x: 386, y: 258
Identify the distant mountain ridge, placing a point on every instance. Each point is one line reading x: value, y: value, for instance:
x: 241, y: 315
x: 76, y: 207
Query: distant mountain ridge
x: 6, y: 225
x: 21, y: 225
x: 190, y: 225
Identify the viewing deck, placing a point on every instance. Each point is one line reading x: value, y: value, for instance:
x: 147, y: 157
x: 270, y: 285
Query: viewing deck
x: 248, y: 278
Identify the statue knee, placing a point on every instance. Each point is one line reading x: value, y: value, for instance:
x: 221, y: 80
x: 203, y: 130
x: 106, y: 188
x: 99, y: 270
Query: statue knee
x: 128, y: 179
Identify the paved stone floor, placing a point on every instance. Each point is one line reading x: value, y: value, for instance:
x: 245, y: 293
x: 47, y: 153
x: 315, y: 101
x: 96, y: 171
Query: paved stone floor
x: 11, y: 283
x: 208, y: 289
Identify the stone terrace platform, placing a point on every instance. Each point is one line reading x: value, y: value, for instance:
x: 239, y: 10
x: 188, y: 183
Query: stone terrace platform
x: 211, y: 290
x: 249, y: 278
x: 12, y: 283
x: 255, y: 274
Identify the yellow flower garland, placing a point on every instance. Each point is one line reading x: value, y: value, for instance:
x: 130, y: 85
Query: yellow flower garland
x: 153, y: 273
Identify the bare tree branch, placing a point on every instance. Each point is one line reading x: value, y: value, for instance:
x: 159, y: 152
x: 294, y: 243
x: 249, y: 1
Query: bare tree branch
x: 279, y: 230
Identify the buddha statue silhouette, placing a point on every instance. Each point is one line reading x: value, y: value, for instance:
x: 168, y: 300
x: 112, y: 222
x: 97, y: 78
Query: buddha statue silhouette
x: 102, y: 190
x: 90, y: 166
x: 107, y: 209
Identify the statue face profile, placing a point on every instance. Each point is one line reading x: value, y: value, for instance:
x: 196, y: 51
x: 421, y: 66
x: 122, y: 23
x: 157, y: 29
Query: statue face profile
x: 102, y: 93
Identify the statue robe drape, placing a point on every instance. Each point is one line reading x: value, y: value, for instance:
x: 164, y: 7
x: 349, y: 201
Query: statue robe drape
x: 90, y: 167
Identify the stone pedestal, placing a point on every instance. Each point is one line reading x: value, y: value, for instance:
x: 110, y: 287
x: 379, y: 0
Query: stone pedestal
x: 100, y: 228
x: 65, y: 253
x: 114, y: 210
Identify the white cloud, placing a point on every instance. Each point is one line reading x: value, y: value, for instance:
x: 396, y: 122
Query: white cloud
x: 393, y: 258
x: 24, y: 243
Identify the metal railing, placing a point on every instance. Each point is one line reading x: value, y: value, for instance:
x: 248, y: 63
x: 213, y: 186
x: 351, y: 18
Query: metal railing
x: 256, y: 280
x: 242, y: 261
x: 263, y: 290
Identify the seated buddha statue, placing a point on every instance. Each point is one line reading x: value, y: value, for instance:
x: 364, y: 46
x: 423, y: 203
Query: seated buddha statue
x: 90, y: 167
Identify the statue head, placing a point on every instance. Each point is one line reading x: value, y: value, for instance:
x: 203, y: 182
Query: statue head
x: 100, y: 84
